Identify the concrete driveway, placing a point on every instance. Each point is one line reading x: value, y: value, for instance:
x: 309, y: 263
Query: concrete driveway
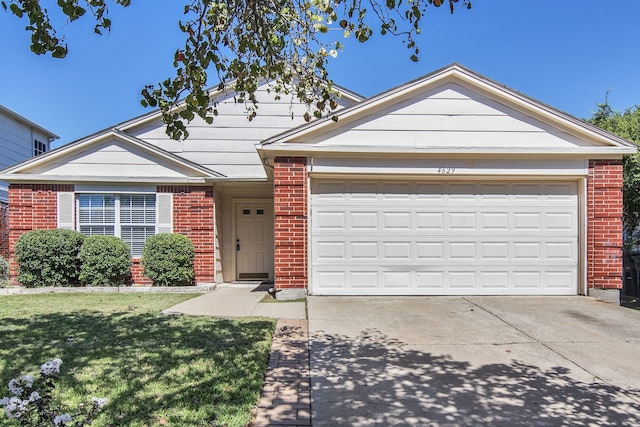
x: 450, y: 361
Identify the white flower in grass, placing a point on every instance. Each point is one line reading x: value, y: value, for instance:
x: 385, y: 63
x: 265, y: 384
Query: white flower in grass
x: 27, y: 381
x: 15, y: 387
x: 99, y: 401
x: 14, y: 407
x: 62, y: 419
x: 34, y: 396
x: 51, y: 368
x: 4, y: 401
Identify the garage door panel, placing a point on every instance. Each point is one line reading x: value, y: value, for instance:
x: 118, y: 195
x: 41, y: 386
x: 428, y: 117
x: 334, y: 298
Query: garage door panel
x: 429, y: 221
x: 430, y: 251
x: 408, y: 238
x: 396, y: 221
x: 461, y: 221
x: 430, y: 279
x: 331, y: 220
x: 364, y: 220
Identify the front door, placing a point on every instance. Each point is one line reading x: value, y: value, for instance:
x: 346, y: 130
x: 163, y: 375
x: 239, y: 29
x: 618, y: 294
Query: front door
x: 254, y: 240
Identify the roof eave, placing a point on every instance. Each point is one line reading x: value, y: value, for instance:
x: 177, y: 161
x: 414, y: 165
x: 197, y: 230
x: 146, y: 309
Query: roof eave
x: 29, y: 178
x: 28, y: 123
x: 301, y: 149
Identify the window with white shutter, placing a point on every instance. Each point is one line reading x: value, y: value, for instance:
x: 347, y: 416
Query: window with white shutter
x: 132, y: 217
x: 65, y: 211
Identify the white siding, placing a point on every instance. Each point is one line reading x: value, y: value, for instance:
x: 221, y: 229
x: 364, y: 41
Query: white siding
x: 449, y: 116
x: 112, y: 158
x: 228, y: 145
x: 16, y: 145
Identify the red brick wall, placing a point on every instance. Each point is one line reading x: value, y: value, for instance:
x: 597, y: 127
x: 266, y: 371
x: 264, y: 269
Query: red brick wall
x: 604, y: 224
x: 137, y: 277
x: 290, y: 229
x: 4, y: 230
x: 32, y: 207
x: 194, y: 216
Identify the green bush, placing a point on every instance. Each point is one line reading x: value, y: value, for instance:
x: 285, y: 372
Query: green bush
x: 4, y: 272
x: 48, y: 258
x: 167, y: 259
x: 104, y: 261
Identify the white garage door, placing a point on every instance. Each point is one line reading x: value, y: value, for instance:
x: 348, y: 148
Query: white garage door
x: 426, y: 238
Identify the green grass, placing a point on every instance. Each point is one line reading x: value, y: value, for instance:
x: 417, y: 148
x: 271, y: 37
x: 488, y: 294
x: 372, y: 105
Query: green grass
x: 154, y: 369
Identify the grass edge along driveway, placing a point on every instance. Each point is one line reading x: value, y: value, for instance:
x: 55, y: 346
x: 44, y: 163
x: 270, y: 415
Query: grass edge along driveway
x: 154, y: 369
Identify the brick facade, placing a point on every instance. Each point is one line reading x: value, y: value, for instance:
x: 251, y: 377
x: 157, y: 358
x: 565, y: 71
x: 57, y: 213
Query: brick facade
x: 604, y: 224
x: 290, y: 228
x: 4, y: 230
x: 194, y: 216
x: 34, y: 207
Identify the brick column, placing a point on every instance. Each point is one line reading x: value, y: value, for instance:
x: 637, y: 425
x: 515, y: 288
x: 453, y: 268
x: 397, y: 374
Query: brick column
x: 604, y: 224
x: 290, y: 229
x: 32, y: 207
x: 194, y: 216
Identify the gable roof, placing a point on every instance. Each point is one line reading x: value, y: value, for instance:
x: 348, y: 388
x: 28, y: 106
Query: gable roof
x: 32, y: 169
x: 125, y: 132
x: 306, y: 137
x: 214, y: 93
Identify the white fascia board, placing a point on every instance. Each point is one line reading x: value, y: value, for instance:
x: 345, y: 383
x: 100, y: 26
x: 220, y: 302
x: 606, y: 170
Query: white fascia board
x: 301, y: 149
x: 30, y: 178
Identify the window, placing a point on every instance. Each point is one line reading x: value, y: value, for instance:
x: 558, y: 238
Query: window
x: 131, y: 217
x: 39, y: 147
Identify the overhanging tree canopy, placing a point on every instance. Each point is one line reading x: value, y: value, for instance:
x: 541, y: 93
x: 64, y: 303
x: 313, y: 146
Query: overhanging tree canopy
x: 286, y: 42
x: 625, y: 124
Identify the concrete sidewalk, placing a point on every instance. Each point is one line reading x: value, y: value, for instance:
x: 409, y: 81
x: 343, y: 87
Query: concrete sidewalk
x: 239, y: 300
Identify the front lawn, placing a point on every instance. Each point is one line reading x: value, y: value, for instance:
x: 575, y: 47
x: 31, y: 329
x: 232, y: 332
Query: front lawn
x: 154, y: 369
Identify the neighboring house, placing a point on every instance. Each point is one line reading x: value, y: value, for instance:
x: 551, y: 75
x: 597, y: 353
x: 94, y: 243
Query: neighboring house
x: 451, y: 184
x: 20, y: 139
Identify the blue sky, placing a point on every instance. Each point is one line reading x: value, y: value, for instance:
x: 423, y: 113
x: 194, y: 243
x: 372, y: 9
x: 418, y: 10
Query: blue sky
x: 566, y: 54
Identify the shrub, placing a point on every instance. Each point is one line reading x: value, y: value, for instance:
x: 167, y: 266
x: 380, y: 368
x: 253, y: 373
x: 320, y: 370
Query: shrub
x: 4, y: 272
x: 48, y: 258
x: 167, y: 259
x: 105, y: 261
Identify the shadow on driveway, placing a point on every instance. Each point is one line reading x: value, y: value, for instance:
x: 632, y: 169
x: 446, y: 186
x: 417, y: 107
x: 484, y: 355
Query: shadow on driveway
x: 375, y: 380
x: 388, y: 375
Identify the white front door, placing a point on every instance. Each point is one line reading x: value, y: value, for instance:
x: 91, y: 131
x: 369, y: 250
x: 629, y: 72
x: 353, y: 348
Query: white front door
x: 254, y: 240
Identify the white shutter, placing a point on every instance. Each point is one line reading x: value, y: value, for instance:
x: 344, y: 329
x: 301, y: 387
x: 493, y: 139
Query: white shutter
x: 164, y: 213
x: 66, y: 210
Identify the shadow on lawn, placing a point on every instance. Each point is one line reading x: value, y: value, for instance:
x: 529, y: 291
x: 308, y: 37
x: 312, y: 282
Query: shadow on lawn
x: 154, y: 369
x: 375, y: 380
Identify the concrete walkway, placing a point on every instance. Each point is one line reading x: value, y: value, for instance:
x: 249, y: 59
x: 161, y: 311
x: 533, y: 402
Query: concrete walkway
x: 239, y: 300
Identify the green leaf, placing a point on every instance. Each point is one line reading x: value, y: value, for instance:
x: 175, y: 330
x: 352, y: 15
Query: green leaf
x: 59, y: 52
x: 16, y: 10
